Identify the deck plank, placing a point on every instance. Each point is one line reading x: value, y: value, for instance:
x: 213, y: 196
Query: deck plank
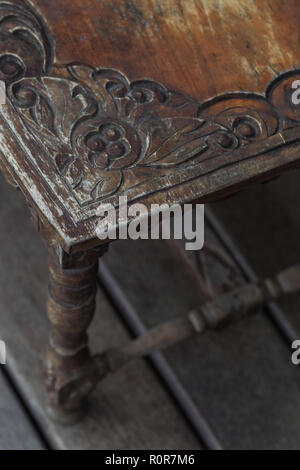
x: 22, y: 435
x: 241, y: 378
x: 130, y: 410
x: 264, y: 223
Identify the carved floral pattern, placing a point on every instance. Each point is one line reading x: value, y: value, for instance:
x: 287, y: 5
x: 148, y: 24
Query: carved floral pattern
x: 25, y: 43
x: 105, y: 134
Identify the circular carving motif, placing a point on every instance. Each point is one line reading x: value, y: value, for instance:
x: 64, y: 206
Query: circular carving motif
x: 11, y: 67
x: 246, y: 127
x: 112, y: 145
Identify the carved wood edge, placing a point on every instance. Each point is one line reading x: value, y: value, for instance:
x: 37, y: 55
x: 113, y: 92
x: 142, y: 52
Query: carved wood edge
x: 103, y: 135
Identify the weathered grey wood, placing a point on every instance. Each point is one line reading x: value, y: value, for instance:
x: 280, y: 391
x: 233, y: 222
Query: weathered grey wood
x: 241, y: 378
x: 267, y: 230
x: 16, y: 430
x: 130, y: 410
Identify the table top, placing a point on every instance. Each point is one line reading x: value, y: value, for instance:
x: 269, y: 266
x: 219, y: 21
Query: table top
x: 160, y: 101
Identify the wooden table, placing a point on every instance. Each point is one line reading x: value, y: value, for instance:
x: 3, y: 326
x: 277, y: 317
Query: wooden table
x: 82, y: 125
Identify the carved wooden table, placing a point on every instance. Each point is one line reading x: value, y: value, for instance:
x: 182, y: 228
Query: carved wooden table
x: 83, y: 126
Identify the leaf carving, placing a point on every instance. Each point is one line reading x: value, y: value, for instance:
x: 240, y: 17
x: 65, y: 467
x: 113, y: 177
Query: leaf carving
x: 177, y: 140
x: 107, y: 135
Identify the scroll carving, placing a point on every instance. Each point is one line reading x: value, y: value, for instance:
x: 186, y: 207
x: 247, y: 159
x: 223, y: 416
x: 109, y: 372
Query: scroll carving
x: 25, y: 44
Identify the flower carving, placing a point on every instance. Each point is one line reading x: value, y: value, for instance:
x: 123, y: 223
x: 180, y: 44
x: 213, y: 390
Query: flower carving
x: 112, y: 146
x: 107, y: 135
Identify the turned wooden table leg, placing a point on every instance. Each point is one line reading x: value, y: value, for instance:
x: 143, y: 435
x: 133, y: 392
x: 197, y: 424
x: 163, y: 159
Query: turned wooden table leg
x: 70, y: 372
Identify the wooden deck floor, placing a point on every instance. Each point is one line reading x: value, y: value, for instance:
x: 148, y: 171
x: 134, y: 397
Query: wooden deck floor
x: 239, y: 382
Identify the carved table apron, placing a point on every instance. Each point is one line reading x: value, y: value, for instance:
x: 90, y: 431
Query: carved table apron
x: 81, y: 126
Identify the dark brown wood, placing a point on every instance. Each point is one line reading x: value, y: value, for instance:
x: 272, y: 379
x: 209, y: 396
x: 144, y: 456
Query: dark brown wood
x: 71, y: 373
x: 89, y: 133
x: 200, y: 47
x: 217, y: 313
x: 77, y: 131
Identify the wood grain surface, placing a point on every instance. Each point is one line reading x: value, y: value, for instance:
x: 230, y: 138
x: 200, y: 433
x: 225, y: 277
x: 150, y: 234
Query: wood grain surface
x: 202, y: 48
x: 156, y: 101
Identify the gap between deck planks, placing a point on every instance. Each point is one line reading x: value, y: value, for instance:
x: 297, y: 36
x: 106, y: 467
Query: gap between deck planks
x: 16, y: 429
x: 264, y: 223
x: 130, y: 410
x: 241, y: 378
